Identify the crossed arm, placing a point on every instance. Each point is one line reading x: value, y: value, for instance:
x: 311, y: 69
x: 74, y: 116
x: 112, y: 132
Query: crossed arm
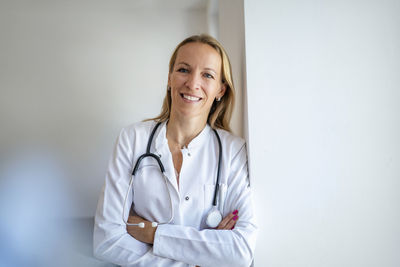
x: 147, y: 233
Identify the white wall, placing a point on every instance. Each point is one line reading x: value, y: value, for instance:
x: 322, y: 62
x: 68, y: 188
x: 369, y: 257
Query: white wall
x: 323, y: 89
x: 231, y: 35
x: 73, y: 73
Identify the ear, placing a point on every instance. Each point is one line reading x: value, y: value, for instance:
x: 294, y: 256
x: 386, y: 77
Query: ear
x: 222, y: 90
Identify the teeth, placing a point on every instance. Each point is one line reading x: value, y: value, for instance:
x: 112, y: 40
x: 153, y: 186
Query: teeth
x: 191, y: 98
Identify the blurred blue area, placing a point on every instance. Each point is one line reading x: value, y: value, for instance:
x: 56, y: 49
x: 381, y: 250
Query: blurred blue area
x: 34, y: 196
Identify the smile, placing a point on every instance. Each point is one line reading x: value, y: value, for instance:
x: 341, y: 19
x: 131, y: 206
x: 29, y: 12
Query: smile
x: 191, y: 98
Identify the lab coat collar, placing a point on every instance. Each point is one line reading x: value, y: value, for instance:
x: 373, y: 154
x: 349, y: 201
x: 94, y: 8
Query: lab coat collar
x: 160, y: 138
x: 200, y: 138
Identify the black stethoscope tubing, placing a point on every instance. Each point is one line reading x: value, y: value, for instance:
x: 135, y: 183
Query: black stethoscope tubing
x: 162, y: 169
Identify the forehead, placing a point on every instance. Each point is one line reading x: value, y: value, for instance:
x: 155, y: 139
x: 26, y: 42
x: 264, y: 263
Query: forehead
x: 199, y: 54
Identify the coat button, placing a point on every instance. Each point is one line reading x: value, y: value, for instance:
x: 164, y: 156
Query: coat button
x: 186, y: 198
x: 189, y: 154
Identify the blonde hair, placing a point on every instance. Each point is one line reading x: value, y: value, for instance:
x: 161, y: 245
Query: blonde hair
x: 221, y: 111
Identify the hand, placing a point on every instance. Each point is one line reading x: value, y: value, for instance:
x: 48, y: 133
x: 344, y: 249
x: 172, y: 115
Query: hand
x: 145, y: 234
x: 228, y: 223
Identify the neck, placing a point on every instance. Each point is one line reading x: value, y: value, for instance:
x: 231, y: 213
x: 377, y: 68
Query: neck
x: 182, y: 131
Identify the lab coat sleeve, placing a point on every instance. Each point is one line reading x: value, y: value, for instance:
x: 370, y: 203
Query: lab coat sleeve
x: 112, y: 243
x: 212, y: 247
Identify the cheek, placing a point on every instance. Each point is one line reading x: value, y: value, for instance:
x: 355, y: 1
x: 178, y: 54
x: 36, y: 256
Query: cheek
x: 212, y: 90
x: 178, y: 79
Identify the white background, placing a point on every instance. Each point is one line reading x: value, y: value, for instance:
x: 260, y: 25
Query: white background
x: 323, y: 90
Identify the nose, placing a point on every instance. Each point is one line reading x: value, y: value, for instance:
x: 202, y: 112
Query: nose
x: 194, y: 80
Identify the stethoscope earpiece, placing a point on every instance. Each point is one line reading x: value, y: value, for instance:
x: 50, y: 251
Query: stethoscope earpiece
x: 140, y: 225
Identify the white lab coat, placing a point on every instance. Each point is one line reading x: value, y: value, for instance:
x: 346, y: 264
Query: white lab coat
x: 185, y: 241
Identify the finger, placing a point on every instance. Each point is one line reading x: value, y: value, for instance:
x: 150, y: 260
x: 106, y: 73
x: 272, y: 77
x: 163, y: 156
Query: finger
x: 223, y: 223
x: 226, y: 220
x: 231, y: 223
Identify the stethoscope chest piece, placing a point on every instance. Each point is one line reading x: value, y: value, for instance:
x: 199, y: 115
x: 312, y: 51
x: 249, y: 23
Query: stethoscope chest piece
x: 214, y: 217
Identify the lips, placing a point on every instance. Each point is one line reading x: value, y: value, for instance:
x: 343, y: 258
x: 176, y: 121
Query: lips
x: 191, y: 98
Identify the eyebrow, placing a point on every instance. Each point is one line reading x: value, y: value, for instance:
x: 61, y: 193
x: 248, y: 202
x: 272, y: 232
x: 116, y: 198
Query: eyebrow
x: 209, y: 69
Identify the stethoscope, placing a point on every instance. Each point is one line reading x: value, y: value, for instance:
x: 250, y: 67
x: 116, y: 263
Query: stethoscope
x: 214, y: 216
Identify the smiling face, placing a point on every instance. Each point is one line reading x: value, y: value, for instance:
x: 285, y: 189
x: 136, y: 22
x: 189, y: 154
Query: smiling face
x: 195, y: 81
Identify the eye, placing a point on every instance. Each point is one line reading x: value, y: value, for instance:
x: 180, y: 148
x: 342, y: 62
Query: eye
x: 208, y: 75
x: 183, y: 70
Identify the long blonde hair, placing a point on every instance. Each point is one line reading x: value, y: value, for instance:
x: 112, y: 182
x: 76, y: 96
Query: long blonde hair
x: 221, y: 111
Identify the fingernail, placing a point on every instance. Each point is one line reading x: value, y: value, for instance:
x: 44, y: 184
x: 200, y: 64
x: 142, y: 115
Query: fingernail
x: 235, y: 212
x: 233, y: 227
x: 235, y: 218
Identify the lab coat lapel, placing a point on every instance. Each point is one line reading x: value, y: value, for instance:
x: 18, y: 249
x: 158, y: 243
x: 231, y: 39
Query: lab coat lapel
x: 162, y: 150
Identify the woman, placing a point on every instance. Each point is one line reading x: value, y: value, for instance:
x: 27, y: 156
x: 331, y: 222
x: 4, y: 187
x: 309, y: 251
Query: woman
x: 199, y: 99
